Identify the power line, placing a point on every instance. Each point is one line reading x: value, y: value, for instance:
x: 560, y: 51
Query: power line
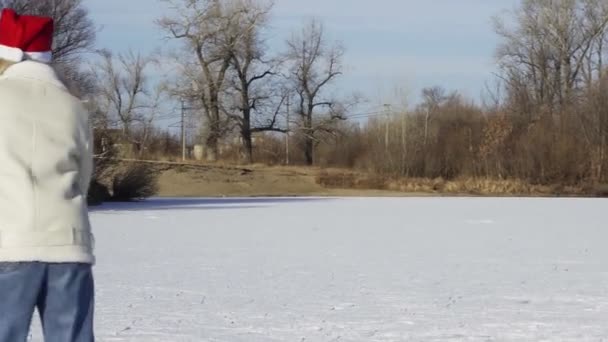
x: 173, y: 116
x: 365, y: 115
x: 360, y: 115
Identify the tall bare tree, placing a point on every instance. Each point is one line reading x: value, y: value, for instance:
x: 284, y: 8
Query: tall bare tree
x: 256, y: 103
x: 209, y: 31
x: 433, y: 98
x: 125, y: 94
x: 314, y: 64
x: 545, y: 55
x: 594, y: 127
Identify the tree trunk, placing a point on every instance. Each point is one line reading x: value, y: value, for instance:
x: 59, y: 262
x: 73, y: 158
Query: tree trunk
x: 426, y: 128
x: 309, y: 143
x: 212, y: 148
x: 602, y: 151
x: 600, y: 59
x: 213, y: 139
x: 247, y: 155
x: 309, y: 147
x: 246, y: 134
x: 126, y: 131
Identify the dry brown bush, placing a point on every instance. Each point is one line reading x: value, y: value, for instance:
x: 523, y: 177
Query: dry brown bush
x: 344, y: 179
x: 134, y: 182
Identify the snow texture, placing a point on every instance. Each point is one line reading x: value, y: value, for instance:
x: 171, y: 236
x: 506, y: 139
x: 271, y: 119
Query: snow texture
x: 356, y: 269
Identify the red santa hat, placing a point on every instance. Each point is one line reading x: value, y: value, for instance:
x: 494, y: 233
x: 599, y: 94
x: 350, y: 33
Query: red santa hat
x: 25, y: 37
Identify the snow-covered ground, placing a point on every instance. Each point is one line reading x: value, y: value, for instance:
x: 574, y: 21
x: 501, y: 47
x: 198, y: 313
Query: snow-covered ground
x: 357, y: 269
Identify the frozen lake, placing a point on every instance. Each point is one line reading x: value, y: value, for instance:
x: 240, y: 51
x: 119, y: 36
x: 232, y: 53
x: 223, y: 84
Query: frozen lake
x: 352, y: 269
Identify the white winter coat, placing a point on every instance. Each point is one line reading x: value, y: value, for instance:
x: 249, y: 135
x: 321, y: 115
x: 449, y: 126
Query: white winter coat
x: 45, y: 168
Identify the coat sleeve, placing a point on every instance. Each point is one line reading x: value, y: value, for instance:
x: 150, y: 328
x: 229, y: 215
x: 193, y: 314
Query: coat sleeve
x: 86, y: 167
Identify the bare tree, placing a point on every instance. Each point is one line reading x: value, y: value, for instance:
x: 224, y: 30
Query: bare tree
x: 313, y: 66
x: 551, y: 58
x: 596, y: 12
x: 594, y: 127
x: 545, y: 54
x: 209, y: 30
x: 257, y: 103
x: 433, y: 98
x: 125, y: 94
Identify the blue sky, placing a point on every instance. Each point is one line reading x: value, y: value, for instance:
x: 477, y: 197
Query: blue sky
x: 390, y: 44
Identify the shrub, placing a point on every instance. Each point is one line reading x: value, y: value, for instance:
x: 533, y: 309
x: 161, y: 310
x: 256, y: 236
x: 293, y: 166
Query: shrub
x: 339, y: 180
x: 596, y: 190
x: 98, y: 193
x: 135, y: 182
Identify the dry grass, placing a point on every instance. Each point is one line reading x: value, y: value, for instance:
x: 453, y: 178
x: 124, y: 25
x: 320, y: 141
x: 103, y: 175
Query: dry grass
x: 342, y: 179
x: 597, y: 190
x: 226, y: 179
x: 472, y: 186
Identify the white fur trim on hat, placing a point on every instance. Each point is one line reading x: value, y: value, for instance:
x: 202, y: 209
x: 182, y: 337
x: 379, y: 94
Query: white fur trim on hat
x: 16, y: 55
x: 11, y: 54
x: 44, y: 57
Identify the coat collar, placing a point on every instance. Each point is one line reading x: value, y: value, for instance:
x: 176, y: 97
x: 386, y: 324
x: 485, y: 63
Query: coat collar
x: 34, y: 71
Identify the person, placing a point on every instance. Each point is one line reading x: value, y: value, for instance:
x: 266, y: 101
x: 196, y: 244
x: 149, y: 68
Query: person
x: 46, y: 245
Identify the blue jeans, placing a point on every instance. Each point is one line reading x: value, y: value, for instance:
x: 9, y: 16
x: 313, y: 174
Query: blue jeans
x: 62, y: 293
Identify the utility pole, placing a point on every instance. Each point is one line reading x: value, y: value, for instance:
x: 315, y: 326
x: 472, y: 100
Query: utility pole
x: 404, y: 141
x: 183, y: 131
x: 404, y: 131
x: 287, y: 136
x: 387, y: 125
x: 182, y: 124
